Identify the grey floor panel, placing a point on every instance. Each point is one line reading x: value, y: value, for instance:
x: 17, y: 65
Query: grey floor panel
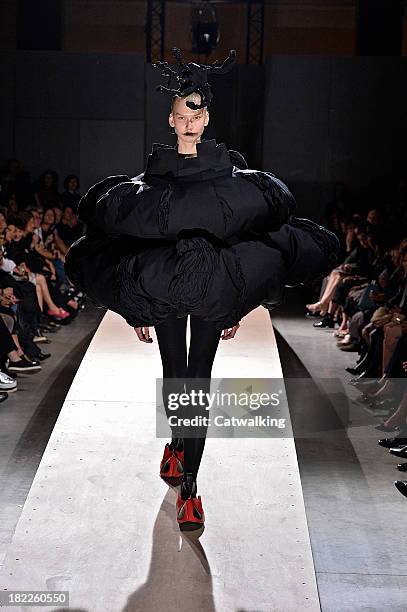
x: 355, y: 515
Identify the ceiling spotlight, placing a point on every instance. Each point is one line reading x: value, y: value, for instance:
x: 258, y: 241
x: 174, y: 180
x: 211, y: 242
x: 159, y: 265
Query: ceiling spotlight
x: 205, y: 28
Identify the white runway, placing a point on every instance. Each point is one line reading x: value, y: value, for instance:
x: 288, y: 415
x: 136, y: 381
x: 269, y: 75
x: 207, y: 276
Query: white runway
x: 100, y: 523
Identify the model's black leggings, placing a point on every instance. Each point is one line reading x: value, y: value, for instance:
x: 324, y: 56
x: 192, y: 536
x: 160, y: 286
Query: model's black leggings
x: 171, y: 337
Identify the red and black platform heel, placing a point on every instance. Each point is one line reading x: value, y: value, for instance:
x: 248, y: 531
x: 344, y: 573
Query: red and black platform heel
x: 172, y: 466
x: 190, y: 513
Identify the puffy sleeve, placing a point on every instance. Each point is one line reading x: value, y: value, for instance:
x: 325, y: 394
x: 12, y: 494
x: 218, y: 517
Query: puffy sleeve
x: 280, y: 201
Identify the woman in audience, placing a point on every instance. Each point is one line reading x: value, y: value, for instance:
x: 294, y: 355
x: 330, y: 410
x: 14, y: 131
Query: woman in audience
x: 71, y: 196
x: 12, y: 205
x: 58, y: 214
x: 46, y: 193
x: 3, y: 223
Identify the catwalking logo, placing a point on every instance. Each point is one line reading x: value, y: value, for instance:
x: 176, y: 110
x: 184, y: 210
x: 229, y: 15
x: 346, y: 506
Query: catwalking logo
x: 222, y: 421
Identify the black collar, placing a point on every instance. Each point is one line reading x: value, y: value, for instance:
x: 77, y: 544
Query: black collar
x: 164, y: 163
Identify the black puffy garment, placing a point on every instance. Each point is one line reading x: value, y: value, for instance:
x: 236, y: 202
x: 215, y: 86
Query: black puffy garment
x: 202, y: 235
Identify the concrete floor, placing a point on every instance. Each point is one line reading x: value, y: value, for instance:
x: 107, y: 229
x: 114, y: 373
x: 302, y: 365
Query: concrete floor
x: 355, y: 515
x: 99, y: 522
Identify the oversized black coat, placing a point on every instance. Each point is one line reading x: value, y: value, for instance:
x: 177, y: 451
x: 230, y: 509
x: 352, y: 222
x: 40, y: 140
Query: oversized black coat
x: 203, y: 235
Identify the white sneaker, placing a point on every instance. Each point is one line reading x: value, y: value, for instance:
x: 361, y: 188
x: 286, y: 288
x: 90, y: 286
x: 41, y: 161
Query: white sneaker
x: 7, y: 383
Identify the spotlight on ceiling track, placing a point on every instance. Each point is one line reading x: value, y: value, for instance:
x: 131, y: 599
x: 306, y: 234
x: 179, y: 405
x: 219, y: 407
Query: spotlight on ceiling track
x: 205, y: 28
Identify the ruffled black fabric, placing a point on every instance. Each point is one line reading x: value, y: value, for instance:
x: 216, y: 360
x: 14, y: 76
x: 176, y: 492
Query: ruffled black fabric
x: 203, y: 235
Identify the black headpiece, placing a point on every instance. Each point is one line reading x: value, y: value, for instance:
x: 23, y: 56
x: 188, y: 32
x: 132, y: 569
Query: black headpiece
x: 193, y: 77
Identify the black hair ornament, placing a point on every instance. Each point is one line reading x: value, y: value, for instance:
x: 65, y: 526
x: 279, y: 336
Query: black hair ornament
x: 192, y: 77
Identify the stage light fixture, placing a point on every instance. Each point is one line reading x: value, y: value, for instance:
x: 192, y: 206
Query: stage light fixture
x: 205, y: 28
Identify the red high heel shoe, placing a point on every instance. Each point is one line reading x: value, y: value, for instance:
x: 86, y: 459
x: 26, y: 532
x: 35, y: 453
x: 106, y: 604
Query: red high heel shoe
x: 172, y: 466
x: 190, y: 514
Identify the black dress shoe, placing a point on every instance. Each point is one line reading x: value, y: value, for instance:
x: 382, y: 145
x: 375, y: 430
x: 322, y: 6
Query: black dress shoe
x: 43, y: 356
x: 401, y: 486
x: 325, y: 322
x: 392, y: 442
x: 30, y: 360
x: 23, y: 365
x: 399, y: 451
x: 402, y: 467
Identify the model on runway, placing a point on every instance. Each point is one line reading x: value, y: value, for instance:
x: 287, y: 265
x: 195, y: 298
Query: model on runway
x: 182, y: 456
x: 200, y: 234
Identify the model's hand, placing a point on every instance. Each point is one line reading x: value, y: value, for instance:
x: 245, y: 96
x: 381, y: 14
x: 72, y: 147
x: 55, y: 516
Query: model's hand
x: 143, y: 334
x: 230, y: 332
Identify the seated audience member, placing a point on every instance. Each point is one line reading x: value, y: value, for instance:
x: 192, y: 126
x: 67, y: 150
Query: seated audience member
x: 68, y: 230
x: 46, y: 245
x: 356, y: 269
x: 19, y: 303
x: 32, y: 266
x: 46, y: 190
x: 11, y: 350
x: 58, y: 214
x: 71, y: 196
x: 46, y: 229
x: 12, y: 205
x: 3, y: 223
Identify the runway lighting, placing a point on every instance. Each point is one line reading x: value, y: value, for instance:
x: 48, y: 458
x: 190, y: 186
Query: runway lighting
x: 205, y: 28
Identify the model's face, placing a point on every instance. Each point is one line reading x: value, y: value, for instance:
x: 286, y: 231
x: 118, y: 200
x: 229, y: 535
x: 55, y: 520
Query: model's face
x: 188, y: 124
